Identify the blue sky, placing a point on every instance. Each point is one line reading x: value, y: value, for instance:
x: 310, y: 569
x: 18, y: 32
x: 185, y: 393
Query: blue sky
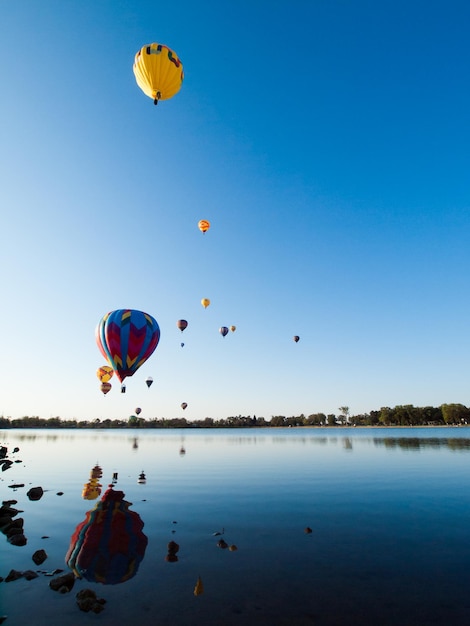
x: 328, y: 145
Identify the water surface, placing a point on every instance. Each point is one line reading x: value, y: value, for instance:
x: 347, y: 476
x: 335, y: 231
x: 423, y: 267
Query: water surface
x: 388, y: 508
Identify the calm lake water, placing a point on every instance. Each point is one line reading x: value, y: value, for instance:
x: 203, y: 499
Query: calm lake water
x: 389, y: 511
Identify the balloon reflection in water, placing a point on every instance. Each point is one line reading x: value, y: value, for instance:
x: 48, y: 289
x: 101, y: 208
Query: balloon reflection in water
x: 109, y: 545
x: 92, y: 489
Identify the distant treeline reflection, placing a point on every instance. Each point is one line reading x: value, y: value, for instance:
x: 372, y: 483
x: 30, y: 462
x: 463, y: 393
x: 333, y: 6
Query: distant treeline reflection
x: 414, y: 443
x: 401, y: 415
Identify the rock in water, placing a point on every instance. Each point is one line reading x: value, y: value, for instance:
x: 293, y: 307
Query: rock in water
x: 35, y: 493
x: 39, y: 556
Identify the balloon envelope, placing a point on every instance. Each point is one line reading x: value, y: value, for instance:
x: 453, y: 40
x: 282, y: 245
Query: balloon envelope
x: 158, y: 71
x: 105, y: 387
x: 204, y: 225
x: 184, y: 405
x: 205, y: 302
x: 109, y: 545
x: 138, y: 411
x: 233, y: 328
x: 105, y: 373
x: 223, y: 330
x: 127, y: 338
x: 149, y: 381
x: 296, y: 338
x: 181, y: 324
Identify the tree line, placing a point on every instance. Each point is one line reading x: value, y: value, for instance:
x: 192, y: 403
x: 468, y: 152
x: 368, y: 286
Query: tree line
x: 401, y: 415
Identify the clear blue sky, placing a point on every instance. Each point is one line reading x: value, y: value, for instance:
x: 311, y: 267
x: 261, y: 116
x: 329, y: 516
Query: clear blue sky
x: 328, y: 142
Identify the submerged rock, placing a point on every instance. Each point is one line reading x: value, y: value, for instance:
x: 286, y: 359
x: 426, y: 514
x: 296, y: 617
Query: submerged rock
x: 63, y: 584
x: 39, y: 556
x: 35, y: 493
x: 87, y: 600
x: 17, y: 539
x: 14, y: 574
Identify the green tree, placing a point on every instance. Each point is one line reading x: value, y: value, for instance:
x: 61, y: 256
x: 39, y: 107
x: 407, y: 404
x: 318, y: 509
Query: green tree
x: 455, y: 413
x: 344, y: 414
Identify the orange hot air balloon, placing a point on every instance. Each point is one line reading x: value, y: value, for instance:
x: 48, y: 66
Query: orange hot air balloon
x: 233, y: 328
x: 105, y: 387
x: 204, y: 226
x: 205, y: 302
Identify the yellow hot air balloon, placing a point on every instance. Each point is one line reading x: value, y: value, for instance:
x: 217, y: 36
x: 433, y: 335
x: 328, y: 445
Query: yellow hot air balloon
x: 105, y: 373
x: 158, y: 71
x: 205, y: 302
x: 204, y: 225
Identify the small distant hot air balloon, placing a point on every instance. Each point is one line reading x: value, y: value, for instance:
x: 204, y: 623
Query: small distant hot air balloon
x: 149, y: 381
x: 223, y: 330
x: 182, y: 345
x: 204, y: 225
x: 205, y: 302
x: 181, y: 324
x: 104, y: 373
x: 296, y: 338
x: 233, y: 328
x: 158, y: 71
x: 138, y: 411
x: 127, y: 338
x: 105, y: 387
x: 184, y: 405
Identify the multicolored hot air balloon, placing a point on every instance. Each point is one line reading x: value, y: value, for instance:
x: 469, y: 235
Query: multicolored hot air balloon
x: 105, y: 387
x: 184, y: 405
x: 296, y: 338
x: 205, y: 302
x: 181, y: 324
x: 127, y: 338
x: 104, y: 373
x: 204, y: 225
x: 158, y: 71
x: 149, y: 381
x: 223, y: 330
x: 109, y: 545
